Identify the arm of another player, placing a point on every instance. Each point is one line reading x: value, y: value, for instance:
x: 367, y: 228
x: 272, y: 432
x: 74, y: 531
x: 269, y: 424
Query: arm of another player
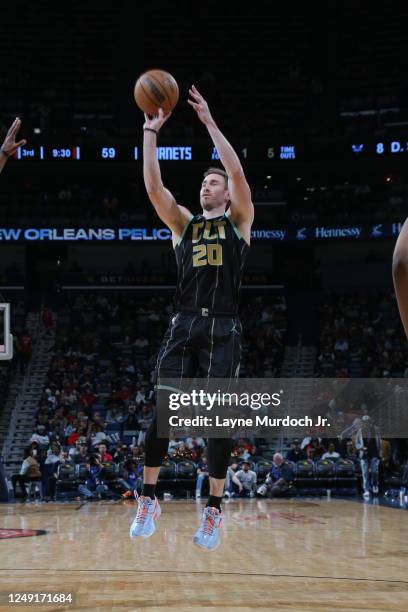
x: 174, y: 216
x: 400, y: 274
x: 10, y: 145
x: 242, y: 208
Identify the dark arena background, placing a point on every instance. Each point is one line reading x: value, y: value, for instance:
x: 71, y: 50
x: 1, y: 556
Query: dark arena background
x: 314, y: 99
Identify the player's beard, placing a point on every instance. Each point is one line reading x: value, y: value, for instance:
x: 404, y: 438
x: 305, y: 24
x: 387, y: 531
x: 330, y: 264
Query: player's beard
x: 209, y: 204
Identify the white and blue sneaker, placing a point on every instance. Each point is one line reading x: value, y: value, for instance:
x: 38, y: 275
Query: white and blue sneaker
x: 208, y: 534
x: 148, y: 511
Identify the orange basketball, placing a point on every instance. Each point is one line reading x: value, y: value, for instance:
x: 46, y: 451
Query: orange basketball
x: 156, y: 89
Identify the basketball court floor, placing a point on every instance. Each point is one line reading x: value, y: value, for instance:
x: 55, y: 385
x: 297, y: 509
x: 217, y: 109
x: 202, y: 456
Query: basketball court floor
x: 275, y: 555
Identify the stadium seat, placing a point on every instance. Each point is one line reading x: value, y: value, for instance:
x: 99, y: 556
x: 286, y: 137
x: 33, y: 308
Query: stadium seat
x: 186, y: 470
x: 66, y: 478
x: 305, y: 469
x: 110, y: 471
x: 263, y: 467
x: 345, y: 468
x: 325, y: 473
x: 346, y: 477
x: 168, y: 471
x: 82, y: 472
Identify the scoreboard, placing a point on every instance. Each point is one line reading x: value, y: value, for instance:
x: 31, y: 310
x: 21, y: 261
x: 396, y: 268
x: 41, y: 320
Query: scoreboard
x: 203, y: 152
x: 176, y: 152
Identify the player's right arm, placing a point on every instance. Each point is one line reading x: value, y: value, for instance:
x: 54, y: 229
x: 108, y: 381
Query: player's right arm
x: 174, y: 216
x: 400, y: 274
x: 10, y: 145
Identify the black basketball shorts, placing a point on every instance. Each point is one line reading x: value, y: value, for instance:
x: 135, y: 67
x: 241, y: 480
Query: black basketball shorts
x: 200, y: 346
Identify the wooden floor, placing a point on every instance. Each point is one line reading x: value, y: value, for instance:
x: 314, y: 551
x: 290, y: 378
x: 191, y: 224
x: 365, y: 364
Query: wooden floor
x: 275, y: 555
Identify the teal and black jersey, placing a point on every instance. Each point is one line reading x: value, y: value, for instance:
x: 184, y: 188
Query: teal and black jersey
x: 210, y: 260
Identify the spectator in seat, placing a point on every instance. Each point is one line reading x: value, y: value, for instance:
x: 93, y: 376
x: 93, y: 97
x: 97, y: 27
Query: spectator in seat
x: 195, y: 443
x: 140, y: 397
x: 279, y: 481
x: 81, y: 453
x: 144, y: 423
x: 115, y: 414
x: 132, y: 478
x: 55, y: 456
x: 103, y: 452
x: 137, y: 453
x: 314, y: 449
x: 132, y: 422
x: 96, y: 434
x: 296, y: 453
x: 182, y: 452
x: 30, y: 471
x: 202, y: 474
x: 40, y: 436
x: 173, y: 446
x: 94, y: 486
x: 245, y: 480
x: 243, y: 449
x: 98, y: 419
x: 75, y: 450
x: 87, y: 397
x: 74, y: 435
x: 121, y: 453
x: 331, y: 452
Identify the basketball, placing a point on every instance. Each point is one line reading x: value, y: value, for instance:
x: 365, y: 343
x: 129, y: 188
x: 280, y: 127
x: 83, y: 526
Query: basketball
x: 156, y: 89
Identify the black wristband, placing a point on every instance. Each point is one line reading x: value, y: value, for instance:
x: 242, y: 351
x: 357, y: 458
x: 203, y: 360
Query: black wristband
x: 4, y: 153
x: 151, y: 130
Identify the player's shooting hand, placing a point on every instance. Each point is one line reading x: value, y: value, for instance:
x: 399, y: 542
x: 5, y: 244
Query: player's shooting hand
x: 10, y: 145
x: 155, y: 122
x: 200, y: 105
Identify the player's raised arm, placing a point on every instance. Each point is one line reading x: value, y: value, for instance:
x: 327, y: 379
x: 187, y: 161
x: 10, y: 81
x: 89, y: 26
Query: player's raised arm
x: 10, y: 145
x: 400, y: 274
x: 173, y: 215
x: 242, y: 208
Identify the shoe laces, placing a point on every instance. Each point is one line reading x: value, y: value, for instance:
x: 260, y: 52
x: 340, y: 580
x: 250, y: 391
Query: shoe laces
x: 209, y: 523
x: 142, y: 510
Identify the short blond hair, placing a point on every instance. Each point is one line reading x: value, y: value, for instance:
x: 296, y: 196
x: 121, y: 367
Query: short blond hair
x: 220, y: 171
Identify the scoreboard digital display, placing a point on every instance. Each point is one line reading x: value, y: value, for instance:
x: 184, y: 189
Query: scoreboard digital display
x: 204, y: 152
x: 130, y: 152
x: 380, y: 149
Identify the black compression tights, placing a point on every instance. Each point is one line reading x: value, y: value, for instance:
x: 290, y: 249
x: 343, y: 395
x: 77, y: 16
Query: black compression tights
x: 219, y: 452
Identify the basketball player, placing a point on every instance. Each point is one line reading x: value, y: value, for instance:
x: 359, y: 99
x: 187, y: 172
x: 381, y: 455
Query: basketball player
x: 10, y: 145
x: 204, y: 335
x: 400, y: 274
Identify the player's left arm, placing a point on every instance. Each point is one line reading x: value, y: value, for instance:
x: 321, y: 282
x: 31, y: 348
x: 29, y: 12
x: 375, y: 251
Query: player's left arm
x: 242, y: 208
x: 10, y: 145
x: 400, y: 274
